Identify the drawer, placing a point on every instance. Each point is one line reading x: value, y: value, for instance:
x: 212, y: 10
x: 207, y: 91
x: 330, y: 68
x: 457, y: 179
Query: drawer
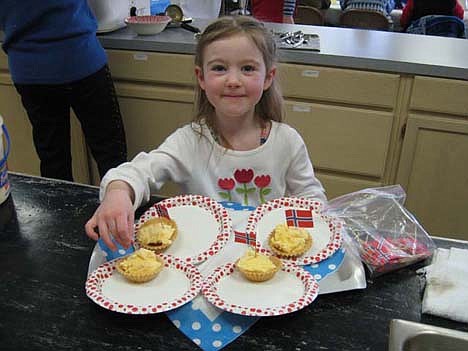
x: 339, y: 85
x: 343, y: 139
x: 152, y: 66
x: 440, y: 95
x: 337, y: 185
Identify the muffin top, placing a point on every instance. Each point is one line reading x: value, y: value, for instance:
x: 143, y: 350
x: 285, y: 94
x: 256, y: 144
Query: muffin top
x: 256, y: 262
x: 158, y: 230
x: 141, y: 261
x: 289, y: 239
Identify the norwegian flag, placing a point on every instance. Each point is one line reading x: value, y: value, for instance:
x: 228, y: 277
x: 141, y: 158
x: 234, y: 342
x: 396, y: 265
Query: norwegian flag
x: 244, y: 238
x: 162, y: 211
x: 299, y: 218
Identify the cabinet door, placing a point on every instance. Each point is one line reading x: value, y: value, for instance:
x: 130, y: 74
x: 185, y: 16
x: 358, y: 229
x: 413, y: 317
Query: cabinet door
x: 434, y: 171
x: 23, y: 157
x: 150, y: 114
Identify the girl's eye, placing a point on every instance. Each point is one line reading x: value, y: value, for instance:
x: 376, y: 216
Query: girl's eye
x: 248, y: 68
x: 217, y: 68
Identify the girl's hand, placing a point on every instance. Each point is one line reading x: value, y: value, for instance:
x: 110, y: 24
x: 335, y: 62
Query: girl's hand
x: 114, y: 217
x: 288, y: 19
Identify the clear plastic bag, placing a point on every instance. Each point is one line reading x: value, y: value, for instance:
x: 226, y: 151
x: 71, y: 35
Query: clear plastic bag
x: 385, y: 234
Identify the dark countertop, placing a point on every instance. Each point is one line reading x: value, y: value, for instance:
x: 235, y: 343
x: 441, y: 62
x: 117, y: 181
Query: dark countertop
x: 43, y: 306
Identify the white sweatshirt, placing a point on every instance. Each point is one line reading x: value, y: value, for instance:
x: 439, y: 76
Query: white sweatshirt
x: 191, y: 158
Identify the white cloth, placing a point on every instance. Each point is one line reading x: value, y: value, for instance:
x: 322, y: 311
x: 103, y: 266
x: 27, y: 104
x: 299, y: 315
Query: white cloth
x: 191, y: 158
x: 446, y: 293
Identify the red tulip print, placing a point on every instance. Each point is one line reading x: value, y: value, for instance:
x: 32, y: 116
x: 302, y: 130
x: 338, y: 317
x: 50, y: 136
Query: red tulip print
x: 262, y: 182
x: 226, y: 184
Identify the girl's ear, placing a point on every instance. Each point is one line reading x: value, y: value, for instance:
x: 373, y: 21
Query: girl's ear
x: 269, y: 78
x: 200, y: 78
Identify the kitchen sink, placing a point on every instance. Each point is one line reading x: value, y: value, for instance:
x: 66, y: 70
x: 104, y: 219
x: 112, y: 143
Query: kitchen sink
x: 412, y: 336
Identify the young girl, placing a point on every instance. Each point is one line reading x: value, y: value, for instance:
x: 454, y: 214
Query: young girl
x: 235, y: 149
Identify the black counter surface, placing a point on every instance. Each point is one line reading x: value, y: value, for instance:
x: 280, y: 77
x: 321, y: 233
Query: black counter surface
x: 44, y: 256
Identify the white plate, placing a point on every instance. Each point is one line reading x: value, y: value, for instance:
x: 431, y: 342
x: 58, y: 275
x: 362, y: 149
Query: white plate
x: 291, y: 289
x: 326, y: 230
x: 177, y: 284
x: 204, y: 226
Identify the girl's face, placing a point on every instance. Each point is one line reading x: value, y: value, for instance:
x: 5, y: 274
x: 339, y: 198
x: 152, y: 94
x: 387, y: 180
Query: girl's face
x: 233, y: 76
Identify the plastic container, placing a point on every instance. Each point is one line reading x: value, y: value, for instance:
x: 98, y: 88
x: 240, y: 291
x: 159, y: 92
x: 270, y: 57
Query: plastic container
x: 4, y: 151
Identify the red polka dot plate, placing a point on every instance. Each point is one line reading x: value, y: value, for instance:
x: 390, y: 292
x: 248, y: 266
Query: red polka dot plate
x: 178, y: 283
x: 300, y: 212
x: 204, y: 226
x: 291, y: 289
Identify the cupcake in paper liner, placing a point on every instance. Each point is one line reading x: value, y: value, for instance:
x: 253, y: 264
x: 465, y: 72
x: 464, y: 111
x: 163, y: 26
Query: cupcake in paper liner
x: 141, y: 266
x: 157, y: 234
x: 258, y: 267
x: 288, y: 242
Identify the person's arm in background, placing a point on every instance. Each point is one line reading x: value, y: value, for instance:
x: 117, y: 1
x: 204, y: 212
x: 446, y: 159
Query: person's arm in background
x: 343, y: 4
x: 390, y: 6
x: 289, y: 7
x: 459, y: 11
x: 406, y: 14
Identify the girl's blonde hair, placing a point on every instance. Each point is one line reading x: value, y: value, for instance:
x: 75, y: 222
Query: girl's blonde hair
x: 270, y: 106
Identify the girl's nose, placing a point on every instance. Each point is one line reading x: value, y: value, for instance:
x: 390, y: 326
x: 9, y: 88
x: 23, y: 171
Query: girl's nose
x: 232, y: 79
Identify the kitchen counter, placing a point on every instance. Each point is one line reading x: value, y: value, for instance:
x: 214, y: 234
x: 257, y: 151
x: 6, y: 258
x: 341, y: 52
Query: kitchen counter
x: 45, y: 255
x: 340, y: 47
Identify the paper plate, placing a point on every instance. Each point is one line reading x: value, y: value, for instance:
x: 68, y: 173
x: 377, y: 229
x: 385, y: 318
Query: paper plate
x: 305, y: 213
x: 178, y: 283
x: 291, y: 289
x: 204, y: 226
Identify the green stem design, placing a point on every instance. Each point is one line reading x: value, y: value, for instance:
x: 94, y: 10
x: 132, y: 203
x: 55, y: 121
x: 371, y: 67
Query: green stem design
x: 246, y: 199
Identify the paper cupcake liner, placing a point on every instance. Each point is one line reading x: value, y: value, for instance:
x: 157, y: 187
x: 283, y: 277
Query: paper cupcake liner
x: 297, y: 252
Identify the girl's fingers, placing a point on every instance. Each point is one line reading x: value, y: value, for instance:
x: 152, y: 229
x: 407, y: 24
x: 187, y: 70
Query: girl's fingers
x: 90, y: 228
x: 122, y: 234
x: 105, y: 235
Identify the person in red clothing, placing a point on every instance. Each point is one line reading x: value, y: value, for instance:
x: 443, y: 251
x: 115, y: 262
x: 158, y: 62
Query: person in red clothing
x: 279, y: 11
x: 416, y: 9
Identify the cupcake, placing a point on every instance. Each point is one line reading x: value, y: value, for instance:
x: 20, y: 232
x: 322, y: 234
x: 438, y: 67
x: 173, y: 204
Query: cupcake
x: 287, y: 241
x: 141, y: 266
x: 157, y: 234
x: 257, y: 267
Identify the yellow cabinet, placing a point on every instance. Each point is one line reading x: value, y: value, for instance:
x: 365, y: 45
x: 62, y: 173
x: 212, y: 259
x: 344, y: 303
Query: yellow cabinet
x: 433, y: 165
x: 434, y: 171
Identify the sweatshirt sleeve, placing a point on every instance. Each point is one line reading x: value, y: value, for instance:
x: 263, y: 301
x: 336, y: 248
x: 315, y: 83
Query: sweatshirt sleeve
x: 148, y: 171
x: 406, y: 14
x: 459, y: 11
x: 288, y: 7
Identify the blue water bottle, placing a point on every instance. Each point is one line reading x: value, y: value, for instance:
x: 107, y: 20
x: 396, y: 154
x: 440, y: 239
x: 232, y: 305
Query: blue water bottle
x: 159, y: 6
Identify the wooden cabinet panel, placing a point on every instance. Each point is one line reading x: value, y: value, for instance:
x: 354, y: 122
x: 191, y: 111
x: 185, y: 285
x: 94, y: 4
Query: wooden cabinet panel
x: 336, y: 185
x: 152, y: 66
x: 343, y: 139
x: 339, y: 85
x: 440, y: 95
x: 149, y: 121
x: 434, y: 171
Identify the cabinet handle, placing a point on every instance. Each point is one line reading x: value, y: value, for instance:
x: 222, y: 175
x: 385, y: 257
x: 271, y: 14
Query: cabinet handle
x: 310, y: 73
x: 403, y: 131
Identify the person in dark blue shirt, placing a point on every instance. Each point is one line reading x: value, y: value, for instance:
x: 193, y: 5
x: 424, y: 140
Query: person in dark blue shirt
x: 57, y: 63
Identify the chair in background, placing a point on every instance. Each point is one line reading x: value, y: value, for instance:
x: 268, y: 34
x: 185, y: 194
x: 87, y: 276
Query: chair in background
x: 308, y: 15
x: 364, y: 19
